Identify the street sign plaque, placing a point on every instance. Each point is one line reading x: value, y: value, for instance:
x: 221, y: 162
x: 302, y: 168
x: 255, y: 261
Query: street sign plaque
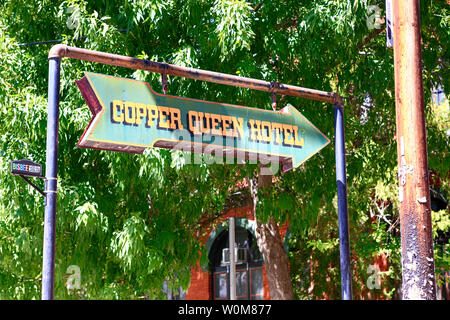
x: 26, y: 168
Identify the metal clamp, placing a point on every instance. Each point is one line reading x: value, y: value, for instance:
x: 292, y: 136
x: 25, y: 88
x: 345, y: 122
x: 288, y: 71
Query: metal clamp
x: 45, y: 185
x: 164, y: 82
x: 273, y: 85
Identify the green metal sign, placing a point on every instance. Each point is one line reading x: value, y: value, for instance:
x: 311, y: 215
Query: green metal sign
x: 128, y: 116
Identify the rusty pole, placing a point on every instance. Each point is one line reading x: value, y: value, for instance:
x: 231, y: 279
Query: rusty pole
x: 414, y: 191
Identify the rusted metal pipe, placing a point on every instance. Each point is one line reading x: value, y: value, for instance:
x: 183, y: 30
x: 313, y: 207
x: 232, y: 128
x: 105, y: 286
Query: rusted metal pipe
x: 62, y: 51
x: 414, y: 190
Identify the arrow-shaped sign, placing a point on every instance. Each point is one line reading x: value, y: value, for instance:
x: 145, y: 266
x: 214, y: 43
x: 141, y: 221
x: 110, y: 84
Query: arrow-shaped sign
x: 128, y: 116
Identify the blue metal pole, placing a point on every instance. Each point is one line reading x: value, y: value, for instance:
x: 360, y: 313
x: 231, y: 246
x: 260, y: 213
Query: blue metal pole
x: 341, y: 179
x: 48, y: 265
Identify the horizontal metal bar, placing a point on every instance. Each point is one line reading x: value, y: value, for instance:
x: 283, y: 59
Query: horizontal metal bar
x: 61, y: 50
x: 39, y: 42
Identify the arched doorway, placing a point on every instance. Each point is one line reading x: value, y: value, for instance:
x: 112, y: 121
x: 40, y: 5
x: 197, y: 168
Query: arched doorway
x: 249, y: 267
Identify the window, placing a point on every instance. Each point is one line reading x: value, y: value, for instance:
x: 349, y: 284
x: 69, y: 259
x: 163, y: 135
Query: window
x: 220, y: 285
x: 256, y: 284
x: 249, y: 273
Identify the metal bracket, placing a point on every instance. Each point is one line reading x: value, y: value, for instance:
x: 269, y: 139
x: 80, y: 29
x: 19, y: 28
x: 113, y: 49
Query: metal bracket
x: 33, y: 185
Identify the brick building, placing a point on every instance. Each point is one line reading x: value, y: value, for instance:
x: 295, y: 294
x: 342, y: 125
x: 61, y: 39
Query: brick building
x: 211, y: 282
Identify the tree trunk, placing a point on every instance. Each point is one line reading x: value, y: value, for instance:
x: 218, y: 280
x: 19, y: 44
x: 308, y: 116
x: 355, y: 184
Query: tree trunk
x: 271, y: 246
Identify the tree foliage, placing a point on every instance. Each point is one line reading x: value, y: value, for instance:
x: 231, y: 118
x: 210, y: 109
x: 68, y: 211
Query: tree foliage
x: 130, y: 222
